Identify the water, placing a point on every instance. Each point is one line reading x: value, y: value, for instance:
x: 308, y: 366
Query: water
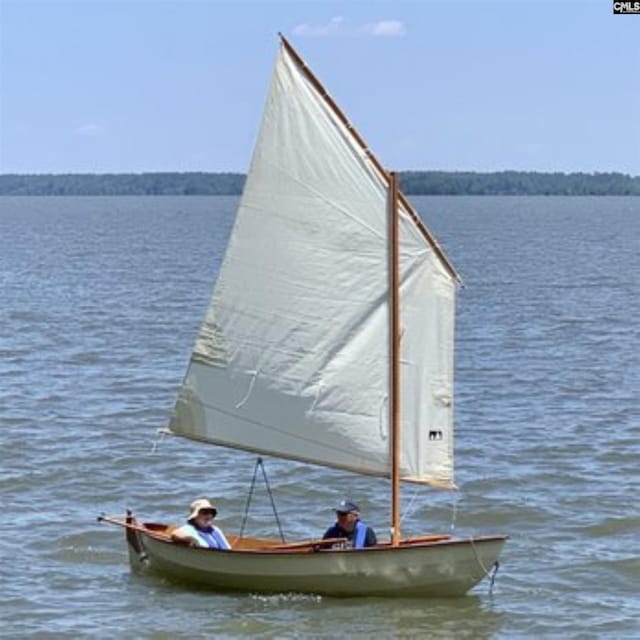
x: 100, y: 302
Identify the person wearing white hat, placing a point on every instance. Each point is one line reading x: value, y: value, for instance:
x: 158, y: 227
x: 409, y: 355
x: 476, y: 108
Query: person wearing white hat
x: 200, y: 530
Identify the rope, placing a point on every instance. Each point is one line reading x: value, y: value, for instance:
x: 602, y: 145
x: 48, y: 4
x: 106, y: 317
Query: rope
x: 408, y: 510
x: 495, y: 566
x: 246, y: 509
x: 473, y: 546
x: 260, y: 464
x: 273, y: 504
x: 454, y: 511
x: 160, y: 434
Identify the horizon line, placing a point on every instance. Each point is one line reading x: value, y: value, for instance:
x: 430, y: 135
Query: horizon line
x: 244, y: 173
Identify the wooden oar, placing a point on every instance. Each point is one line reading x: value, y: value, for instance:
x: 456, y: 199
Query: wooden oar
x: 431, y: 538
x: 331, y: 541
x: 327, y: 542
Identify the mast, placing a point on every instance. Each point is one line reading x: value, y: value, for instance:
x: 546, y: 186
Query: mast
x: 394, y: 340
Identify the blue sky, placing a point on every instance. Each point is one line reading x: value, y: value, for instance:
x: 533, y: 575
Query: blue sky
x: 119, y: 86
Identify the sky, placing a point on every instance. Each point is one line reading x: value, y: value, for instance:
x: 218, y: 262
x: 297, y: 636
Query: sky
x: 98, y: 86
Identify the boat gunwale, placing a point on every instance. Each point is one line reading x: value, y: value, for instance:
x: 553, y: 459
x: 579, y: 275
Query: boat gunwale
x: 157, y: 532
x: 312, y: 548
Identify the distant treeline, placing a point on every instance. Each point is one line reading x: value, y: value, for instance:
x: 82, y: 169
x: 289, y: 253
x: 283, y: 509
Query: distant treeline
x: 413, y: 183
x: 122, y: 184
x: 526, y: 183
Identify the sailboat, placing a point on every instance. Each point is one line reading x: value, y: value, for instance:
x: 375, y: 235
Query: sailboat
x: 328, y: 340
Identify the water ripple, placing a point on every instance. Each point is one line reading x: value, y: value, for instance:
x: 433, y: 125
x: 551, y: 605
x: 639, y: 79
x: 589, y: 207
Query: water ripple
x: 102, y: 298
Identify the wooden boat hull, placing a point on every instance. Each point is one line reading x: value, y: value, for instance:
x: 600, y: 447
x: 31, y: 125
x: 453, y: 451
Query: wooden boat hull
x: 448, y: 567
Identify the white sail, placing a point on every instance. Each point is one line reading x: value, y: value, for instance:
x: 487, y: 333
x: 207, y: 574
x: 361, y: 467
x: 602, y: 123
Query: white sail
x: 427, y: 318
x: 293, y: 356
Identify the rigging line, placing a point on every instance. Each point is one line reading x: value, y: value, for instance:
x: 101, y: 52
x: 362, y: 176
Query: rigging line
x: 473, y: 546
x: 408, y: 511
x: 273, y: 504
x: 454, y: 511
x: 253, y: 484
x: 260, y: 463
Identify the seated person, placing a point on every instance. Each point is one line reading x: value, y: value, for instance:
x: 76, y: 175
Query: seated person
x: 350, y: 526
x: 200, y: 530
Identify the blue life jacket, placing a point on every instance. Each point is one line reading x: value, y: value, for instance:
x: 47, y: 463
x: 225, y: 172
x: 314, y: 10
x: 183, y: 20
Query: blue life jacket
x: 360, y: 535
x: 213, y: 538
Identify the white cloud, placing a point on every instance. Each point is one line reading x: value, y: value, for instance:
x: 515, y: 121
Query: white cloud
x: 338, y: 26
x: 385, y: 29
x: 89, y: 129
x: 334, y: 27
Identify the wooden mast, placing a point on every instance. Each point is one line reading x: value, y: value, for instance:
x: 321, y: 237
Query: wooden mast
x: 394, y: 343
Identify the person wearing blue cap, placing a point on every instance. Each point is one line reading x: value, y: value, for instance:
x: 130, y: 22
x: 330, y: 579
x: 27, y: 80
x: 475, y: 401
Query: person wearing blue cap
x: 349, y: 526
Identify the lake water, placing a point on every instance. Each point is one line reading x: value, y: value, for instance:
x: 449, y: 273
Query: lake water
x: 101, y: 299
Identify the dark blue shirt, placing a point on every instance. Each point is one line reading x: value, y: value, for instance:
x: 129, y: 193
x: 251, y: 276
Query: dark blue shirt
x: 336, y: 531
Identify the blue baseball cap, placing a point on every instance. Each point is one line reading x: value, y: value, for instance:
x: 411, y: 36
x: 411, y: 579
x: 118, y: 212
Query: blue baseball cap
x: 346, y: 506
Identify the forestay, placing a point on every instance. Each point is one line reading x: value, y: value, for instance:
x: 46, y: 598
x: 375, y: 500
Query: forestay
x: 292, y: 359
